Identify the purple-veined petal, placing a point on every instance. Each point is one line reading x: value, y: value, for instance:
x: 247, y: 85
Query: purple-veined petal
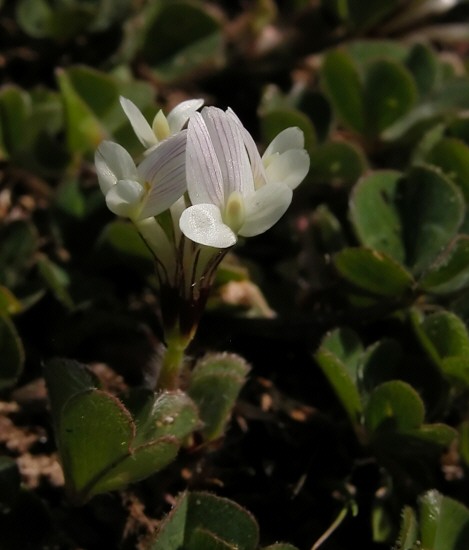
x: 178, y: 116
x: 164, y: 171
x: 202, y: 223
x: 257, y: 167
x: 290, y: 138
x: 230, y: 150
x: 124, y: 198
x: 113, y: 163
x: 289, y: 168
x: 139, y: 123
x: 264, y: 208
x: 204, y: 176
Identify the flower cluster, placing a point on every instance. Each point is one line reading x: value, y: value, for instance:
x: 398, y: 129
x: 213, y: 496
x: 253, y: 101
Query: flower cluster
x: 201, y: 184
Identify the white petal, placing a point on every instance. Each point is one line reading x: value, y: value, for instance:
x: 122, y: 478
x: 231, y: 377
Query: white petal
x: 257, y: 167
x: 113, y: 163
x: 204, y: 177
x: 290, y: 138
x: 124, y: 198
x: 264, y: 208
x: 289, y: 168
x: 230, y: 150
x: 139, y: 123
x: 178, y: 117
x: 202, y: 224
x: 165, y: 171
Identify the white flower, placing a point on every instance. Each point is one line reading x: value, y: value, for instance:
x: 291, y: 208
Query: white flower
x: 163, y: 126
x: 232, y: 190
x: 147, y: 190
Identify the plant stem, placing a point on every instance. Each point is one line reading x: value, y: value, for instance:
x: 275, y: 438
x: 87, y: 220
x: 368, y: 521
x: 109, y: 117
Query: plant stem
x: 173, y: 360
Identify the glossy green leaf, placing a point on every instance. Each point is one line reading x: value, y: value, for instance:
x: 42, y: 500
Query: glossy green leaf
x: 339, y: 375
x: 337, y: 162
x: 389, y: 93
x: 375, y: 216
x: 214, y: 386
x: 338, y: 68
x: 394, y: 406
x: 450, y: 272
x: 373, y: 271
x: 11, y: 353
x: 444, y: 522
x: 432, y: 212
x: 201, y: 521
x: 452, y: 156
x: 438, y: 434
x: 276, y: 120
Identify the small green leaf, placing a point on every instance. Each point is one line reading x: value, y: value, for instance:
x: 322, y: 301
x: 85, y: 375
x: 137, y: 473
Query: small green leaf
x: 202, y: 521
x: 125, y: 240
x: 15, y: 111
x: 9, y: 304
x: 389, y: 93
x: 345, y: 344
x: 423, y: 64
x: 343, y: 384
x: 57, y: 280
x: 11, y: 353
x: 373, y: 272
x: 338, y: 68
x: 337, y: 162
x: 450, y: 272
x: 432, y: 211
x: 394, y: 406
x: 375, y: 216
x: 19, y: 243
x: 380, y: 363
x: 452, y: 156
x: 408, y: 532
x: 444, y: 522
x: 214, y: 386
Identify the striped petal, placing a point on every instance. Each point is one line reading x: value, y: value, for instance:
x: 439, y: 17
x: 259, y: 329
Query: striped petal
x: 202, y: 223
x: 231, y: 152
x: 139, y: 123
x: 264, y: 208
x: 204, y: 176
x: 164, y: 171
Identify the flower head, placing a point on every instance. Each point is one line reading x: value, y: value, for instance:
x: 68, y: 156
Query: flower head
x: 147, y: 190
x: 232, y: 189
x: 163, y: 126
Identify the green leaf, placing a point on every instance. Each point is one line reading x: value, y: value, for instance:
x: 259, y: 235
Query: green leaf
x: 432, y: 211
x: 375, y: 216
x: 19, y: 243
x: 423, y: 64
x: 280, y: 546
x: 198, y: 42
x: 57, y: 280
x: 463, y: 441
x: 338, y: 360
x: 202, y: 521
x: 408, y: 532
x: 276, y: 120
x: 214, y: 386
x: 338, y: 68
x: 452, y: 156
x: 11, y: 353
x: 444, y: 522
x: 9, y: 304
x: 373, y: 272
x: 15, y: 110
x: 366, y: 51
x: 104, y: 448
x: 380, y: 363
x: 394, y: 406
x: 389, y: 93
x: 445, y: 338
x: 337, y: 162
x: 123, y: 237
x: 364, y: 14
x: 450, y: 272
